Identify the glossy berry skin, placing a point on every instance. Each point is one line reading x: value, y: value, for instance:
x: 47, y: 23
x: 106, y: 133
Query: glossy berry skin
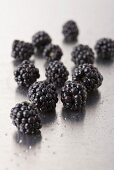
x: 82, y: 54
x: 52, y: 52
x: 26, y: 74
x: 26, y: 118
x: 105, y: 48
x: 88, y: 75
x: 43, y: 95
x: 70, y: 31
x: 22, y: 50
x: 57, y: 73
x: 40, y: 40
x: 73, y: 96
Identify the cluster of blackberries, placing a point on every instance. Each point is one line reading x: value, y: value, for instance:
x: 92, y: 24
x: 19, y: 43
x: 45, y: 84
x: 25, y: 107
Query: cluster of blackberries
x: 43, y: 94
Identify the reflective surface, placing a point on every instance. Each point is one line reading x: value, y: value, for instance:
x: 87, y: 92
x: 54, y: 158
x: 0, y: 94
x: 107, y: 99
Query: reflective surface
x: 67, y: 141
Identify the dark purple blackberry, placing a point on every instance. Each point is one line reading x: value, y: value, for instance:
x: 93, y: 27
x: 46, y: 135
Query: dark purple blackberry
x: 26, y: 118
x: 22, y: 50
x: 26, y: 74
x: 43, y: 95
x: 70, y: 31
x: 52, y: 52
x: 88, y: 75
x: 82, y: 54
x: 105, y: 48
x: 40, y: 40
x: 57, y: 73
x: 73, y: 96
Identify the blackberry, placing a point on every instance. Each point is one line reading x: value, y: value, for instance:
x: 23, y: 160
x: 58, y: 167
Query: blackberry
x: 88, y: 75
x: 40, y: 40
x: 73, y: 96
x: 22, y: 50
x: 57, y: 73
x: 26, y: 118
x: 105, y: 48
x: 43, y: 95
x: 52, y: 52
x: 70, y: 31
x: 82, y: 54
x: 26, y: 74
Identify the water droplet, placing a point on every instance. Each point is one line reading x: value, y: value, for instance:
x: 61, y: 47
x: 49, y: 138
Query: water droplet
x: 61, y: 135
x: 26, y: 150
x: 20, y: 141
x: 46, y: 139
x: 54, y: 153
x: 6, y: 134
x: 16, y: 154
x: 30, y: 147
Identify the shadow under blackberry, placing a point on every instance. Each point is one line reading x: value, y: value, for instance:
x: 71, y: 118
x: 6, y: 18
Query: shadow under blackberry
x: 68, y: 42
x: 22, y: 91
x: 73, y: 116
x: 27, y: 140
x: 93, y: 98
x: 73, y: 68
x: 15, y: 63
x: 48, y: 118
x: 104, y: 62
x: 38, y: 54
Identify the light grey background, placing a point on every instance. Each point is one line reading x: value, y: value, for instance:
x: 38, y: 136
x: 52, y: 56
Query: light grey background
x: 66, y: 144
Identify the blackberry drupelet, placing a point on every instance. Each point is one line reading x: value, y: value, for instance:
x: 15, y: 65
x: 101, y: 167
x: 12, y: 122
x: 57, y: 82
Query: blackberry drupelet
x: 70, y: 31
x: 57, y: 73
x: 26, y: 74
x: 88, y: 75
x: 43, y: 95
x: 82, y: 54
x: 40, y: 40
x: 22, y: 50
x: 26, y: 118
x: 73, y: 96
x: 105, y: 48
x: 52, y: 52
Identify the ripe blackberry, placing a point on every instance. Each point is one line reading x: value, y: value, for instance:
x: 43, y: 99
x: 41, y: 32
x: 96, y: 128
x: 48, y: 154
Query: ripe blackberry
x: 40, y: 40
x: 70, y: 31
x: 26, y: 74
x: 43, y: 95
x: 22, y: 50
x: 57, y: 73
x: 73, y: 96
x: 105, y: 48
x: 88, y: 75
x: 52, y: 52
x: 82, y: 54
x: 26, y: 118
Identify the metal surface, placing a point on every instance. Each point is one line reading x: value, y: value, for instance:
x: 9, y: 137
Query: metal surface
x: 66, y: 143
